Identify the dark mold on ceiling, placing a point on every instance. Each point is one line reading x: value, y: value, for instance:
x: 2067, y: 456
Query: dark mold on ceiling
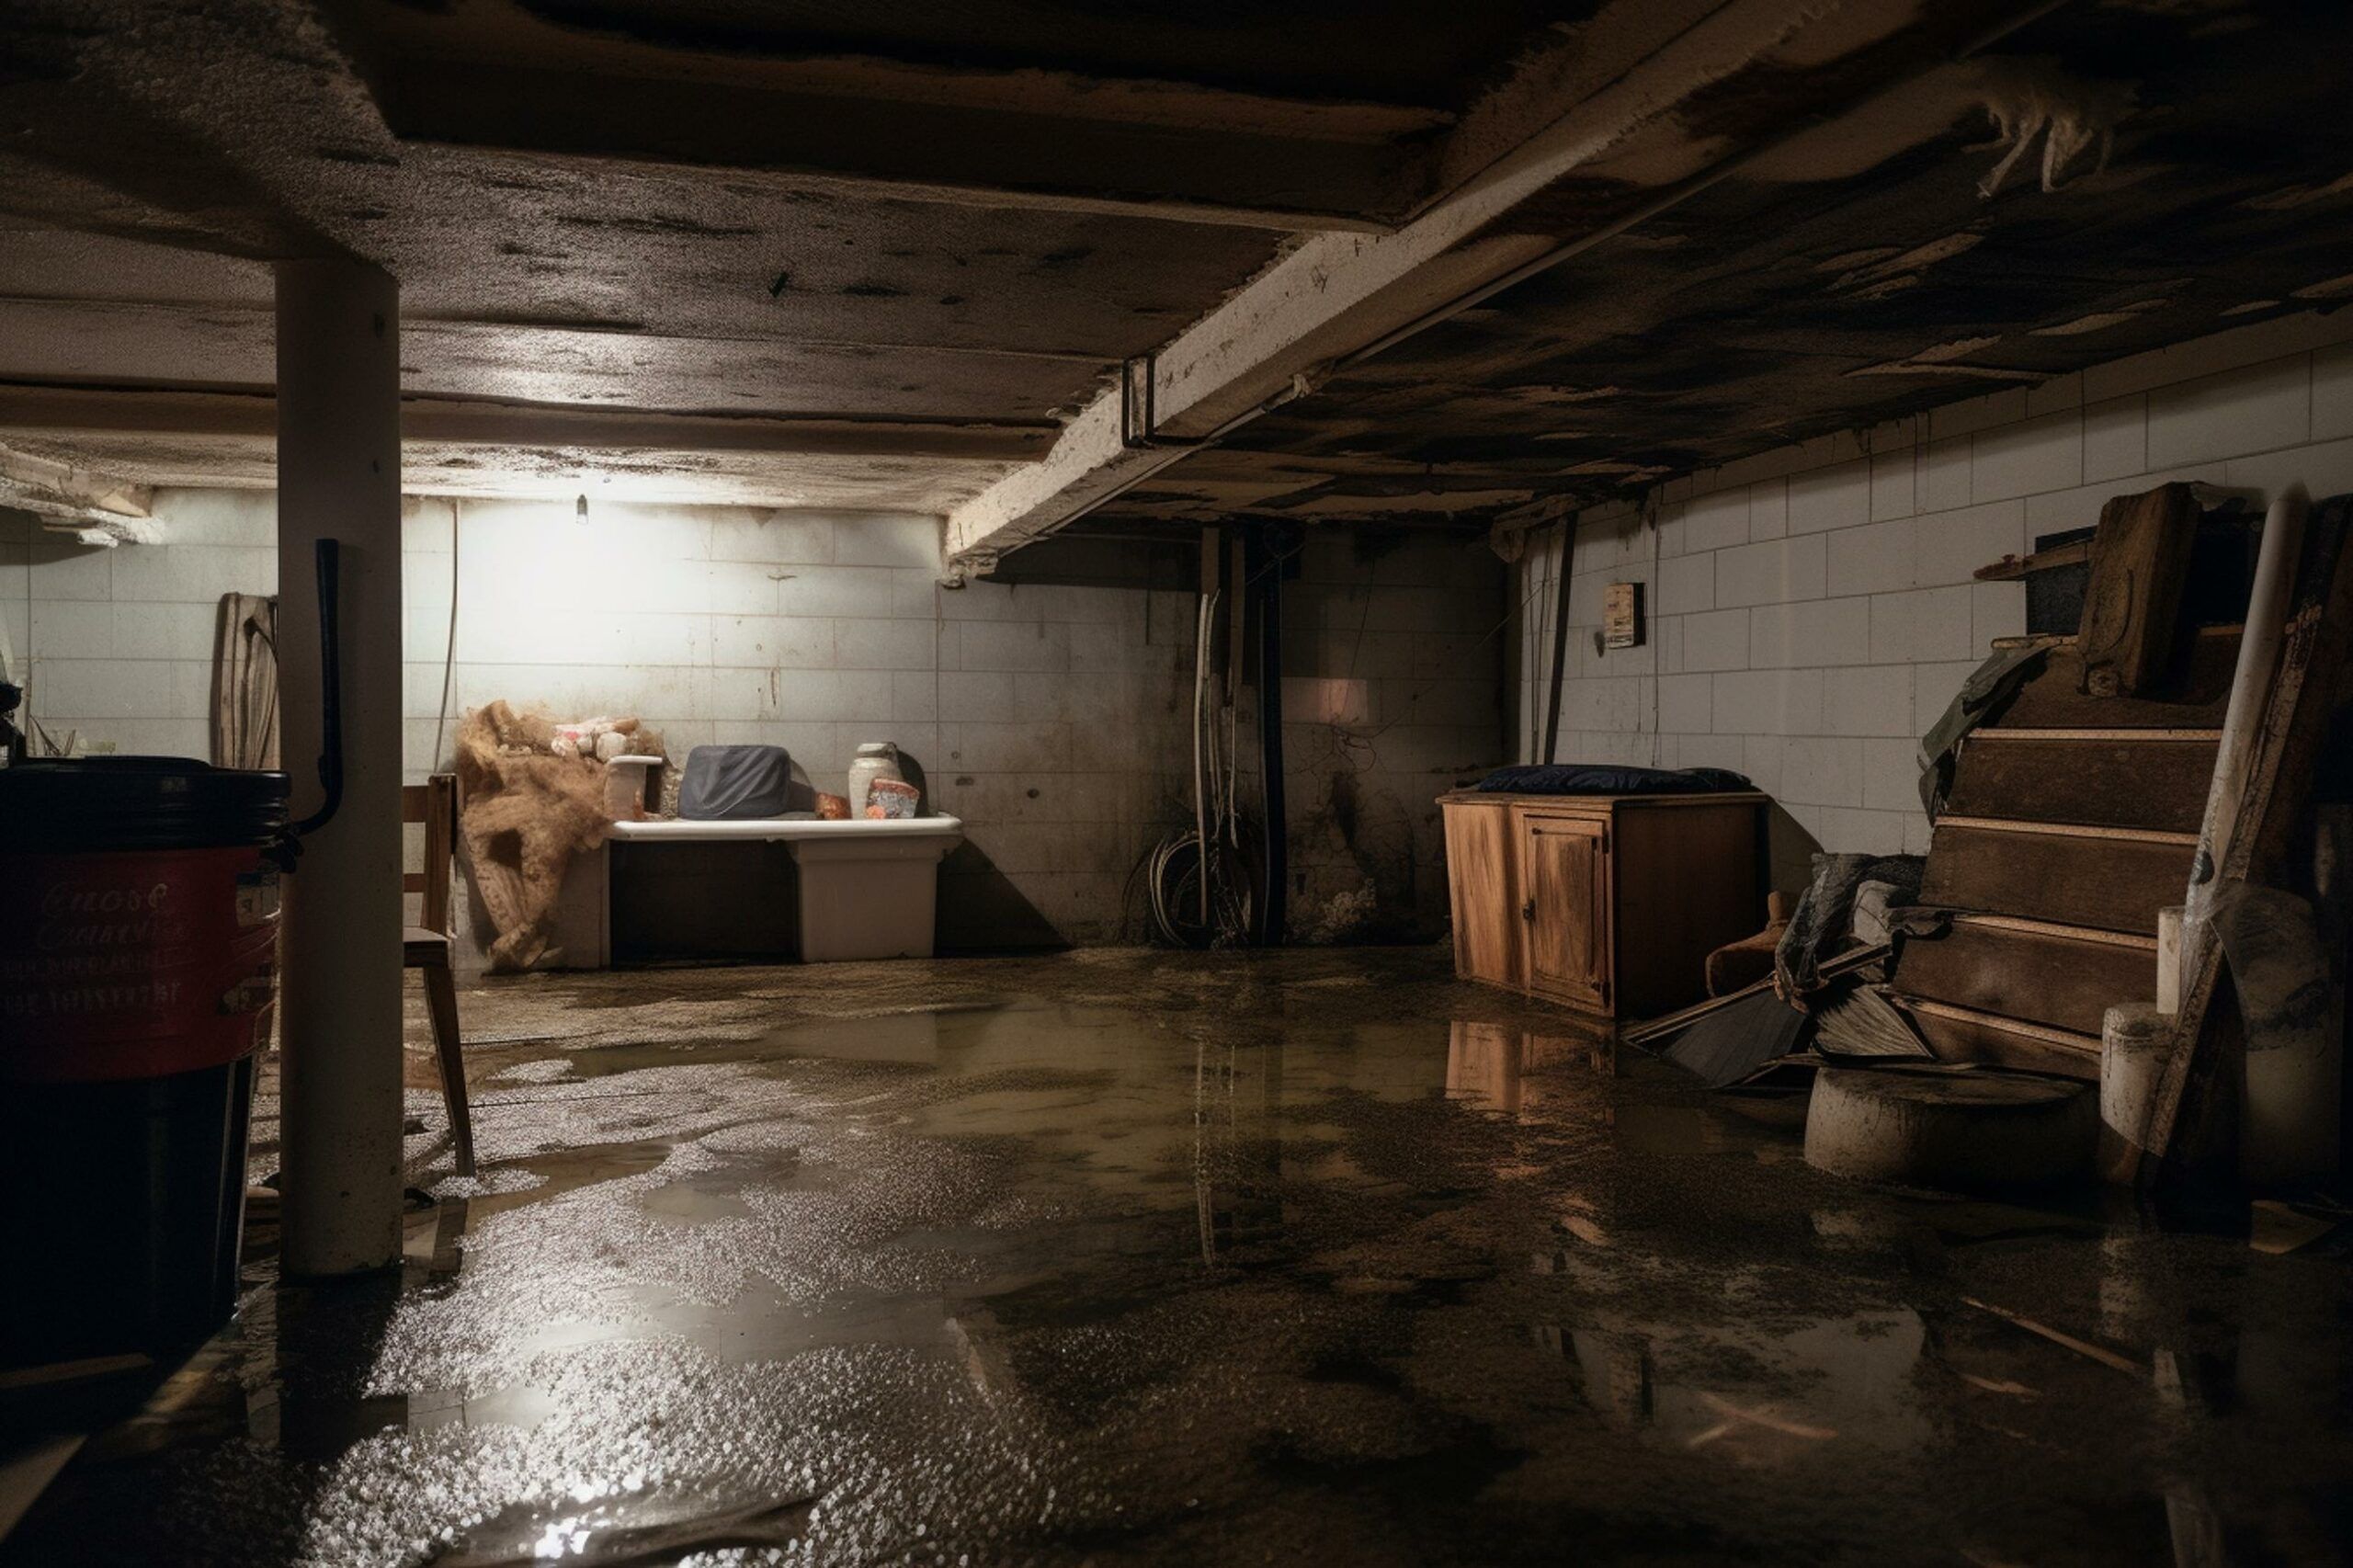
x: 1774, y: 307
x: 941, y: 212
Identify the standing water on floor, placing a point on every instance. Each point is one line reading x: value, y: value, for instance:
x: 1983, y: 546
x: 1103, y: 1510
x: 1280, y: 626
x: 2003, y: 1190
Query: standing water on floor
x: 1133, y: 1257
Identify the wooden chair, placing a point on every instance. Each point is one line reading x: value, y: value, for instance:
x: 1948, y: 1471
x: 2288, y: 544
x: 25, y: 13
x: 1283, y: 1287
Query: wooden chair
x: 426, y: 947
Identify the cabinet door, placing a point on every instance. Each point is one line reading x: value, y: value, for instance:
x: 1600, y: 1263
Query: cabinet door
x: 1566, y: 908
x: 1483, y: 880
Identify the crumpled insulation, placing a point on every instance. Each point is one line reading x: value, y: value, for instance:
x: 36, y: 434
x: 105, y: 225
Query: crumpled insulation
x: 529, y: 802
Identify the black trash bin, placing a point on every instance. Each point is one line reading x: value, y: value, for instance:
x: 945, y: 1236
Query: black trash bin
x: 137, y: 953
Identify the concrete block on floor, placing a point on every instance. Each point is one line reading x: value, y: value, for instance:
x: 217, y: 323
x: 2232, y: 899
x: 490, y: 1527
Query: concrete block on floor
x: 1974, y: 1132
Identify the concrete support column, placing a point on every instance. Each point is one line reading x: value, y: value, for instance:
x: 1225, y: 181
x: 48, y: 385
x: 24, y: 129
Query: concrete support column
x: 339, y: 476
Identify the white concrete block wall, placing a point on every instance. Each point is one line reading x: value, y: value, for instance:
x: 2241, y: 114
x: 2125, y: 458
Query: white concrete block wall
x: 712, y: 624
x: 1044, y: 717
x: 1813, y: 611
x: 116, y: 644
x: 1055, y: 720
x: 1401, y: 639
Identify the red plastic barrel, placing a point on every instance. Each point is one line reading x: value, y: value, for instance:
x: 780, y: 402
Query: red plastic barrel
x: 138, y: 945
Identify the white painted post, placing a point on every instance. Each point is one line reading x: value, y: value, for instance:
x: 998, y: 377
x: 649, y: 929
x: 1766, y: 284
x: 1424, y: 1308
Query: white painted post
x: 340, y: 477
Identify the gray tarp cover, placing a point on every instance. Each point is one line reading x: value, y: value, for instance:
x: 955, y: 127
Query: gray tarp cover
x: 1822, y: 923
x: 735, y: 784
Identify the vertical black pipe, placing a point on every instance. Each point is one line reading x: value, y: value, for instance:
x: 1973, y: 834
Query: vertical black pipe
x: 1560, y: 648
x: 327, y: 557
x: 1267, y: 572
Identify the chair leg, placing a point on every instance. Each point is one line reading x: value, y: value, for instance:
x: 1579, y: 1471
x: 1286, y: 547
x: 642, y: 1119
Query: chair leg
x: 441, y: 1000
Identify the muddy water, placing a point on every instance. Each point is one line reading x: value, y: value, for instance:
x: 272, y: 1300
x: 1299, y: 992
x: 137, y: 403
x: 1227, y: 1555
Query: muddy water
x: 1123, y: 1257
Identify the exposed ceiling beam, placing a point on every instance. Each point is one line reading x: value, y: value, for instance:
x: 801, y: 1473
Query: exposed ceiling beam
x: 1339, y: 298
x: 31, y: 313
x: 58, y: 414
x: 95, y: 507
x: 490, y: 73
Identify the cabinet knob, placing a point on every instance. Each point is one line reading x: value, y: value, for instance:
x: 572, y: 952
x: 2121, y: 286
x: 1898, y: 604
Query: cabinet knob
x: 1528, y: 910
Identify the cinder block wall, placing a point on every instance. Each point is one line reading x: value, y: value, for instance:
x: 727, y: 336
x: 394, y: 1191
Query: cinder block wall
x: 1054, y: 719
x: 1393, y: 652
x: 1812, y: 610
x: 116, y: 645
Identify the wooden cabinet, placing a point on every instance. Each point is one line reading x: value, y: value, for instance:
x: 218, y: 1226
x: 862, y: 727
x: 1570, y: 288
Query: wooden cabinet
x: 1608, y: 904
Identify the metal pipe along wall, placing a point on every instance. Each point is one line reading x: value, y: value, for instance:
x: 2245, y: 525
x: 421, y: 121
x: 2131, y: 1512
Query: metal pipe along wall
x: 338, y: 475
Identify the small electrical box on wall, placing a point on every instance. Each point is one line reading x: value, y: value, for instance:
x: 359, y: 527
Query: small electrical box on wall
x: 1622, y: 616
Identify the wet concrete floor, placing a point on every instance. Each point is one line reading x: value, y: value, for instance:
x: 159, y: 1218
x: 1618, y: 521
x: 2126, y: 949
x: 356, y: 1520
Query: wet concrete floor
x: 1119, y: 1257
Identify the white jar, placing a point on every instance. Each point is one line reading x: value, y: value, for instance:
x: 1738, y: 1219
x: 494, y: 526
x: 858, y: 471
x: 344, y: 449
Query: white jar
x: 876, y: 759
x: 625, y: 786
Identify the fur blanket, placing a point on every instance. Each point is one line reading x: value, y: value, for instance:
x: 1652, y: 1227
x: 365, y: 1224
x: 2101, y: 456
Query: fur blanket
x: 526, y: 811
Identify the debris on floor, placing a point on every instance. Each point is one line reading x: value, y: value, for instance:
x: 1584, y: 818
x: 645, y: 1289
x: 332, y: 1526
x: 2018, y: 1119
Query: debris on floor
x: 1131, y: 1257
x: 1949, y: 1129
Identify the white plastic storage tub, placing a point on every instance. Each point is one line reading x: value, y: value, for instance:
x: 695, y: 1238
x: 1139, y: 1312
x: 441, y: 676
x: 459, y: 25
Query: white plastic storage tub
x: 869, y: 889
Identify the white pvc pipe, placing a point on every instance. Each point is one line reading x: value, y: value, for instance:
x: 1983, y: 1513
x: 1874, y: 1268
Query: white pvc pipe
x: 1202, y: 624
x: 2134, y: 1039
x: 2169, y: 960
x: 2267, y: 611
x: 339, y: 476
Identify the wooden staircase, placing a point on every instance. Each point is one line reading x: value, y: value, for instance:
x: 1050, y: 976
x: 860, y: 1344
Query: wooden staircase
x: 2072, y: 820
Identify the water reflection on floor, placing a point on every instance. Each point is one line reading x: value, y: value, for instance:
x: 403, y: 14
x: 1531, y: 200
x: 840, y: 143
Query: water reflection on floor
x: 1319, y: 1258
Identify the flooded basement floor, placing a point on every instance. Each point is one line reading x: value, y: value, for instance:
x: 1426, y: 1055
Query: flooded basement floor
x: 1118, y: 1257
